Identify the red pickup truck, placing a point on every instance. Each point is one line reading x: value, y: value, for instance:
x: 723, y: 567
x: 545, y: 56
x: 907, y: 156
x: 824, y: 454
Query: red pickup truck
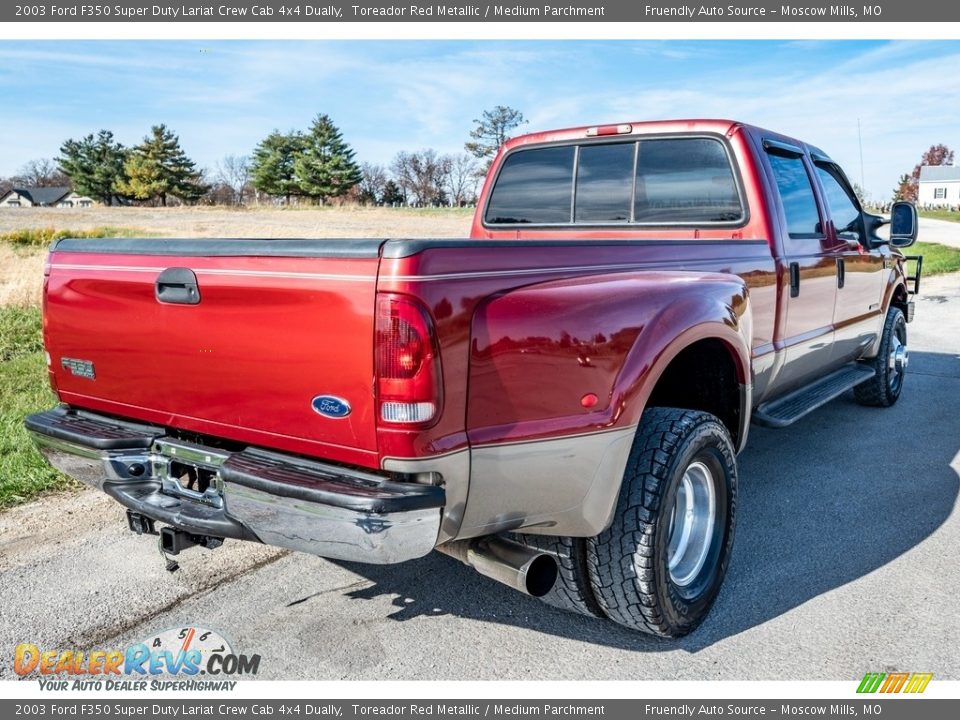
x: 556, y: 400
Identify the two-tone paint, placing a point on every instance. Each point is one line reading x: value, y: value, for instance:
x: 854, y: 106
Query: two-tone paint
x: 552, y: 339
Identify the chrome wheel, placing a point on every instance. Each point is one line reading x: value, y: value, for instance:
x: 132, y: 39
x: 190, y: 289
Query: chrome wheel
x: 897, y: 361
x: 692, y: 521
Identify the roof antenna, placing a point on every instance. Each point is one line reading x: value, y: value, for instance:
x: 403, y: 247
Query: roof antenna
x: 860, y: 139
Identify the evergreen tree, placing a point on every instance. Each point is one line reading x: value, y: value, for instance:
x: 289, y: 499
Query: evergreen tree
x: 159, y: 167
x: 392, y: 194
x: 325, y: 168
x: 94, y: 165
x: 272, y: 165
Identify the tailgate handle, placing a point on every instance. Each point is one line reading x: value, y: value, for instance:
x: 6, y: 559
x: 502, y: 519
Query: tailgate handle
x: 179, y: 286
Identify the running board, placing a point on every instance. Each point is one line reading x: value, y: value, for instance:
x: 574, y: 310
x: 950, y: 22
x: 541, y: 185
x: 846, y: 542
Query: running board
x: 793, y: 406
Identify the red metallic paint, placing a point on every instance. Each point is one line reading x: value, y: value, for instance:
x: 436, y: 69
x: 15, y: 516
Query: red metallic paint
x: 523, y: 331
x: 536, y: 349
x: 269, y: 334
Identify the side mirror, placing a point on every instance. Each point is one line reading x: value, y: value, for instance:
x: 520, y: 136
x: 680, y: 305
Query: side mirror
x: 903, y: 224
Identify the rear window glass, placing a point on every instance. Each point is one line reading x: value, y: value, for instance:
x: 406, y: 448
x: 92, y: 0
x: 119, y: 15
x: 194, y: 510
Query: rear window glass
x: 604, y: 183
x: 534, y: 186
x: 684, y: 181
x: 669, y: 181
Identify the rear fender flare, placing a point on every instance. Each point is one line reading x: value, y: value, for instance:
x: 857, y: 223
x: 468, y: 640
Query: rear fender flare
x: 572, y: 462
x: 716, y: 309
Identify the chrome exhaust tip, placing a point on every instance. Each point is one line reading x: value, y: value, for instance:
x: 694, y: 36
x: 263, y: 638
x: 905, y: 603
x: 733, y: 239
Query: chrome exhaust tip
x: 530, y: 571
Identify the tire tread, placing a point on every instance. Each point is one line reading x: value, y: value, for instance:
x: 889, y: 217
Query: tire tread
x: 621, y: 559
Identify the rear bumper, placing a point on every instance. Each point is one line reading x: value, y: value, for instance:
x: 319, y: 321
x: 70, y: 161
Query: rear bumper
x: 250, y: 494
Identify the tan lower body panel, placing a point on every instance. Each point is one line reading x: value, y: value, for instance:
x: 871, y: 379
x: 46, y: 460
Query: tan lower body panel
x: 564, y: 486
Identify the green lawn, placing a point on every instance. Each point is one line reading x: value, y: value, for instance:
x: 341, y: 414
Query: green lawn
x: 941, y: 215
x: 937, y: 259
x: 23, y: 390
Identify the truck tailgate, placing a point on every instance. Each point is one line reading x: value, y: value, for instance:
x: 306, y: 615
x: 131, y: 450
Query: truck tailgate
x: 270, y: 333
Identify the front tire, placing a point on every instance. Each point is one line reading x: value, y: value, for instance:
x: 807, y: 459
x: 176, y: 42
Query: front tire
x: 884, y: 388
x: 659, y: 566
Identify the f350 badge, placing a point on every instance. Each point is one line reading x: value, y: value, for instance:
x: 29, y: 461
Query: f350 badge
x: 80, y: 368
x: 331, y: 406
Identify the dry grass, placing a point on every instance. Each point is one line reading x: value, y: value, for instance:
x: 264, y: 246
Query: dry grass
x: 21, y: 269
x: 254, y: 222
x: 21, y: 275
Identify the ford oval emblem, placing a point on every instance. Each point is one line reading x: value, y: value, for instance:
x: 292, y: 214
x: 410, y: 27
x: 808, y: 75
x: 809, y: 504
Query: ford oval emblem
x: 330, y: 406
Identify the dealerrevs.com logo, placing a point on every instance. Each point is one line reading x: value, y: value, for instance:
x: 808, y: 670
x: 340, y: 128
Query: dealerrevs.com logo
x: 894, y: 682
x: 187, y: 658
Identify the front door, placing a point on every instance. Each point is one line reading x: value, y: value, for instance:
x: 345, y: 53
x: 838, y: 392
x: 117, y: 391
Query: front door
x: 858, y: 316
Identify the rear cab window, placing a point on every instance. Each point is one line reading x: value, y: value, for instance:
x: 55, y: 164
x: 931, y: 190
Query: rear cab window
x: 650, y: 181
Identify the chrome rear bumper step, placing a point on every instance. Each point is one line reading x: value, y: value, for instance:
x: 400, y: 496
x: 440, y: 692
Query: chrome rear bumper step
x: 252, y: 494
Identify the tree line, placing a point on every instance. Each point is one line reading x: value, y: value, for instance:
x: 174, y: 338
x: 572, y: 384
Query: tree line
x: 313, y: 166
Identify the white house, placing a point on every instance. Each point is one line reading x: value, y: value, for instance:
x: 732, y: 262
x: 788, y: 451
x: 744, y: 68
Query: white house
x: 939, y: 186
x: 62, y: 197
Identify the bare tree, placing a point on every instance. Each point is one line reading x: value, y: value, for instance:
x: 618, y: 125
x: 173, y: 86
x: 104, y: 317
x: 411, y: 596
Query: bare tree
x: 373, y: 183
x: 462, y: 179
x: 422, y: 175
x: 234, y: 173
x: 41, y: 173
x: 493, y: 130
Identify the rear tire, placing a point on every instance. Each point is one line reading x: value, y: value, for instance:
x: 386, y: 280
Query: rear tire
x: 572, y: 590
x: 884, y: 388
x: 659, y: 566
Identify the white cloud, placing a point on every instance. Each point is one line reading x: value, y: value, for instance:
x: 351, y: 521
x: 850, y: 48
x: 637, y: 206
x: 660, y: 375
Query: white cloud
x: 223, y: 97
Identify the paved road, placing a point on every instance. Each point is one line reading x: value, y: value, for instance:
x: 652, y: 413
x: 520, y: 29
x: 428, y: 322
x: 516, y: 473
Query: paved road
x: 939, y: 231
x: 932, y: 230
x: 845, y: 562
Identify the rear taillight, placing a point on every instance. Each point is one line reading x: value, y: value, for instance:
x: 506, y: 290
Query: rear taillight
x: 408, y: 362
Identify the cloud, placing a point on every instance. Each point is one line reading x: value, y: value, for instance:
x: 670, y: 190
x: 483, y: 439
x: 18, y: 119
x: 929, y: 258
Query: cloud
x: 222, y: 97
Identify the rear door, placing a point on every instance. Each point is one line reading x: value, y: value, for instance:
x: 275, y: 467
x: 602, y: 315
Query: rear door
x: 807, y: 331
x: 268, y: 336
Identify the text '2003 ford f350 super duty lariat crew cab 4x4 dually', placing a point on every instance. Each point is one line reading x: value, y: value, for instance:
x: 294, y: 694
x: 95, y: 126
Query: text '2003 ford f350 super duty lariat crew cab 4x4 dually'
x: 557, y: 400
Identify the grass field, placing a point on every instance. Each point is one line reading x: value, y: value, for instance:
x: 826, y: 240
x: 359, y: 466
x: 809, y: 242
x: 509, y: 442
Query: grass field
x: 937, y: 259
x: 25, y: 234
x: 23, y: 390
x: 263, y: 222
x: 952, y: 216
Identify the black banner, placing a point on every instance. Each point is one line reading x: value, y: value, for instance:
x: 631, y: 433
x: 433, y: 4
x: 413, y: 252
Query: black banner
x: 616, y: 11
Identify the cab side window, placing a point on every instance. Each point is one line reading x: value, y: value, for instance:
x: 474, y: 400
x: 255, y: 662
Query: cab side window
x: 843, y: 207
x: 796, y: 194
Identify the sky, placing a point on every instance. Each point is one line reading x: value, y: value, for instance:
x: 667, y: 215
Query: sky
x: 223, y: 97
